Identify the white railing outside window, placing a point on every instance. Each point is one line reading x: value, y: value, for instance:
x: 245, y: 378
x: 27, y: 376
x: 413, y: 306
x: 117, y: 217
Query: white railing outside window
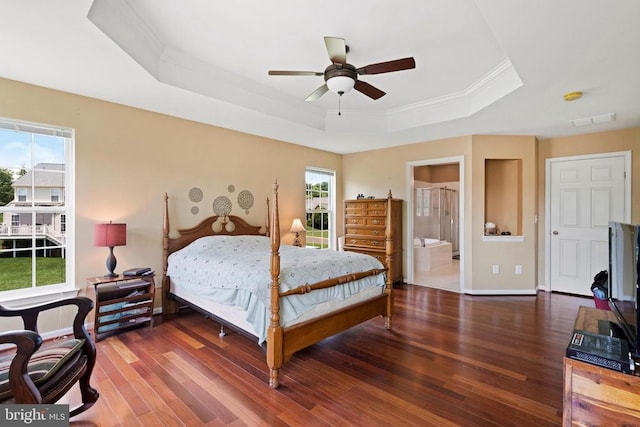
x: 36, y: 221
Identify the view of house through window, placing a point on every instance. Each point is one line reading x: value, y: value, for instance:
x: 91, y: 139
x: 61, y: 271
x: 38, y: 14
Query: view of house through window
x: 34, y: 205
x: 320, y: 208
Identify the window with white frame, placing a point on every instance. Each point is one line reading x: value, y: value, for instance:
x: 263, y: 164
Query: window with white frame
x: 36, y: 245
x: 320, y: 207
x: 55, y: 195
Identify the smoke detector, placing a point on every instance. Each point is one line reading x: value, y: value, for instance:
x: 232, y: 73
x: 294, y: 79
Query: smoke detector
x: 572, y: 96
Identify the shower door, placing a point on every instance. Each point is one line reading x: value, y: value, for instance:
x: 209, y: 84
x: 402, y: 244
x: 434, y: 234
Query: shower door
x: 436, y: 215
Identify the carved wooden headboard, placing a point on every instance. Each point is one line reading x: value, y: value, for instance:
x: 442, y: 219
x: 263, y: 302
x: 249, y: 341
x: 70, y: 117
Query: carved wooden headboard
x: 228, y: 225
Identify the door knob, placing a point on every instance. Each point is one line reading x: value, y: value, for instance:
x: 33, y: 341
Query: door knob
x: 555, y: 232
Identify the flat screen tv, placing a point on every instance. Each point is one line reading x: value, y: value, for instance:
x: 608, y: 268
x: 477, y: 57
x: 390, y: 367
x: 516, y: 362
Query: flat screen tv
x: 624, y: 274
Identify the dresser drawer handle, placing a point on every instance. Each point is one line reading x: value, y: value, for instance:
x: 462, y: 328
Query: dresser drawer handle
x: 375, y: 232
x: 354, y: 242
x: 354, y: 221
x: 374, y: 243
x: 375, y: 221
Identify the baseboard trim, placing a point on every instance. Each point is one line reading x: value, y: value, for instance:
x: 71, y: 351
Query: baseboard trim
x: 532, y: 292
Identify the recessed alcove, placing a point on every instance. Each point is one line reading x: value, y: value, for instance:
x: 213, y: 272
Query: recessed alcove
x: 503, y: 195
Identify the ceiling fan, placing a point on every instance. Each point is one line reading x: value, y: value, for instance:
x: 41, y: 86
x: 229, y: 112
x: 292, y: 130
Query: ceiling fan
x: 340, y: 77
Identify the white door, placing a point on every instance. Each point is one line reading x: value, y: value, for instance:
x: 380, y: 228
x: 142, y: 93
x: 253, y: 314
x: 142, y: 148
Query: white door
x: 585, y: 195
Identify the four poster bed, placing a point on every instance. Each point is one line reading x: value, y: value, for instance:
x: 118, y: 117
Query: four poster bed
x: 288, y: 296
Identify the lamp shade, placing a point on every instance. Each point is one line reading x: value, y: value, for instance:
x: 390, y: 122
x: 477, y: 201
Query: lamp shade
x: 340, y: 84
x: 110, y: 235
x: 296, y: 226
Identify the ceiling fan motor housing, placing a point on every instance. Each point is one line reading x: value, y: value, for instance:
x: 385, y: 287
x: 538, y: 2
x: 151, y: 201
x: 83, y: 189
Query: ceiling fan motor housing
x: 345, y: 70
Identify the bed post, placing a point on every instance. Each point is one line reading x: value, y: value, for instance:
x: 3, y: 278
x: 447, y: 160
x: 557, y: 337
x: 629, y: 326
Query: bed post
x: 168, y: 306
x: 389, y: 262
x: 274, y: 332
x: 267, y: 221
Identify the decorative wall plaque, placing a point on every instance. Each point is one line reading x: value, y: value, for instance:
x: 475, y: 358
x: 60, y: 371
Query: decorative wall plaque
x: 195, y: 195
x: 245, y: 200
x: 222, y: 206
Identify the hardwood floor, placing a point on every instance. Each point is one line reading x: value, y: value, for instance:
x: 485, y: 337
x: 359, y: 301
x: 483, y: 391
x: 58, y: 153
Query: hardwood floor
x: 451, y: 359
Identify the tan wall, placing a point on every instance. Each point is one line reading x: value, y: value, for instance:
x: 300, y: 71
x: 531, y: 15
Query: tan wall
x: 375, y: 172
x: 437, y: 173
x: 488, y: 252
x: 592, y: 143
x: 127, y: 158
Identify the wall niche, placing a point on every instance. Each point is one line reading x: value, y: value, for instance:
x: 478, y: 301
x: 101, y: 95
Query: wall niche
x: 503, y: 196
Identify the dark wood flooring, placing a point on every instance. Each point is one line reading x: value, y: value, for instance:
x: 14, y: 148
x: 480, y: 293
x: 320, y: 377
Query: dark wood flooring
x: 451, y: 359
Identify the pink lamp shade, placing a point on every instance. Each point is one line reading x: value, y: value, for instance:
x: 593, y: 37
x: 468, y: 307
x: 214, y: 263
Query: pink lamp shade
x: 110, y: 235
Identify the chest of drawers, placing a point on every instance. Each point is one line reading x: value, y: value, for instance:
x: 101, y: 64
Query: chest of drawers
x: 366, y: 222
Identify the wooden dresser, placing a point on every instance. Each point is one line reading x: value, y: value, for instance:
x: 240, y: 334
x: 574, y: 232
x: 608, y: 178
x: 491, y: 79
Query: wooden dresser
x: 365, y: 230
x: 598, y: 396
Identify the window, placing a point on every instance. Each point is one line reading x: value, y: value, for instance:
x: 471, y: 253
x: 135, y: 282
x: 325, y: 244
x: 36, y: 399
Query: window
x: 55, y: 195
x: 36, y: 247
x: 320, y: 208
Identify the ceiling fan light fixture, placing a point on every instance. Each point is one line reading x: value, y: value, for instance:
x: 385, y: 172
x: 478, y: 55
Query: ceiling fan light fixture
x: 339, y: 84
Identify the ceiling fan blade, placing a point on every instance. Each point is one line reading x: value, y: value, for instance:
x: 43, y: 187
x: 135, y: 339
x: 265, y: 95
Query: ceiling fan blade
x: 389, y: 66
x: 317, y: 93
x: 337, y: 49
x: 367, y: 89
x: 295, y: 73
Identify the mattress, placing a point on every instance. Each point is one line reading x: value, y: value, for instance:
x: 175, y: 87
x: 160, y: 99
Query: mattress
x: 234, y: 271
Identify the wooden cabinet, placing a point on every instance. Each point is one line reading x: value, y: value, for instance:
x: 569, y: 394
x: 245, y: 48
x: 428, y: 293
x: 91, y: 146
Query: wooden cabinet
x: 365, y: 230
x: 122, y: 302
x: 594, y: 395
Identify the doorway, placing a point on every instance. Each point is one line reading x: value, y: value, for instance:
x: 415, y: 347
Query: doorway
x: 434, y: 234
x: 583, y: 193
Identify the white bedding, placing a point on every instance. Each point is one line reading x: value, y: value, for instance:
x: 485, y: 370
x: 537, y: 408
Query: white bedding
x: 235, y: 271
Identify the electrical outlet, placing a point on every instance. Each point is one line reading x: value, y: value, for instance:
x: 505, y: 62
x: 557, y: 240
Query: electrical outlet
x: 518, y: 269
x: 496, y: 269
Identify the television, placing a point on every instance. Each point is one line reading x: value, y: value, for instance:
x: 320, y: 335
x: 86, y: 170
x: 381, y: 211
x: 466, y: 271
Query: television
x: 623, y: 284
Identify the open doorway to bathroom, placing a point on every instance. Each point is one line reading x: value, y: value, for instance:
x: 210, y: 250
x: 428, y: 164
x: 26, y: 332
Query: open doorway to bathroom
x: 435, y: 217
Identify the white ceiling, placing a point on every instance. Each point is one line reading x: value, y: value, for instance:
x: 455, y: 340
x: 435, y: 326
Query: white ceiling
x: 482, y: 66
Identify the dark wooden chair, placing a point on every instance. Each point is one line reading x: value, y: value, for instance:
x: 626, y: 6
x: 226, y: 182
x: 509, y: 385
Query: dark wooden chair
x: 42, y: 376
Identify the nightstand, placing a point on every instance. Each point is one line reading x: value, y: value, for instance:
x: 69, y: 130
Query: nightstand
x: 121, y: 303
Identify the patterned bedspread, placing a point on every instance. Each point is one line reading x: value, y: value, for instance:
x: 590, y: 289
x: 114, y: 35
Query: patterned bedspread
x: 235, y: 270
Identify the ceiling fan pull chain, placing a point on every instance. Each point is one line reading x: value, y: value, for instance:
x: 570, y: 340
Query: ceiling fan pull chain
x: 339, y: 101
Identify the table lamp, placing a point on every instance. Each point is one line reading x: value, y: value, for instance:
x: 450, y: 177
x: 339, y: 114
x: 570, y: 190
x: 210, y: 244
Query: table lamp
x: 297, y: 227
x: 110, y: 235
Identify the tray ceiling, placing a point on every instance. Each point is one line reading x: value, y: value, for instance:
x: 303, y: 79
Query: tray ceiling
x: 482, y: 67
